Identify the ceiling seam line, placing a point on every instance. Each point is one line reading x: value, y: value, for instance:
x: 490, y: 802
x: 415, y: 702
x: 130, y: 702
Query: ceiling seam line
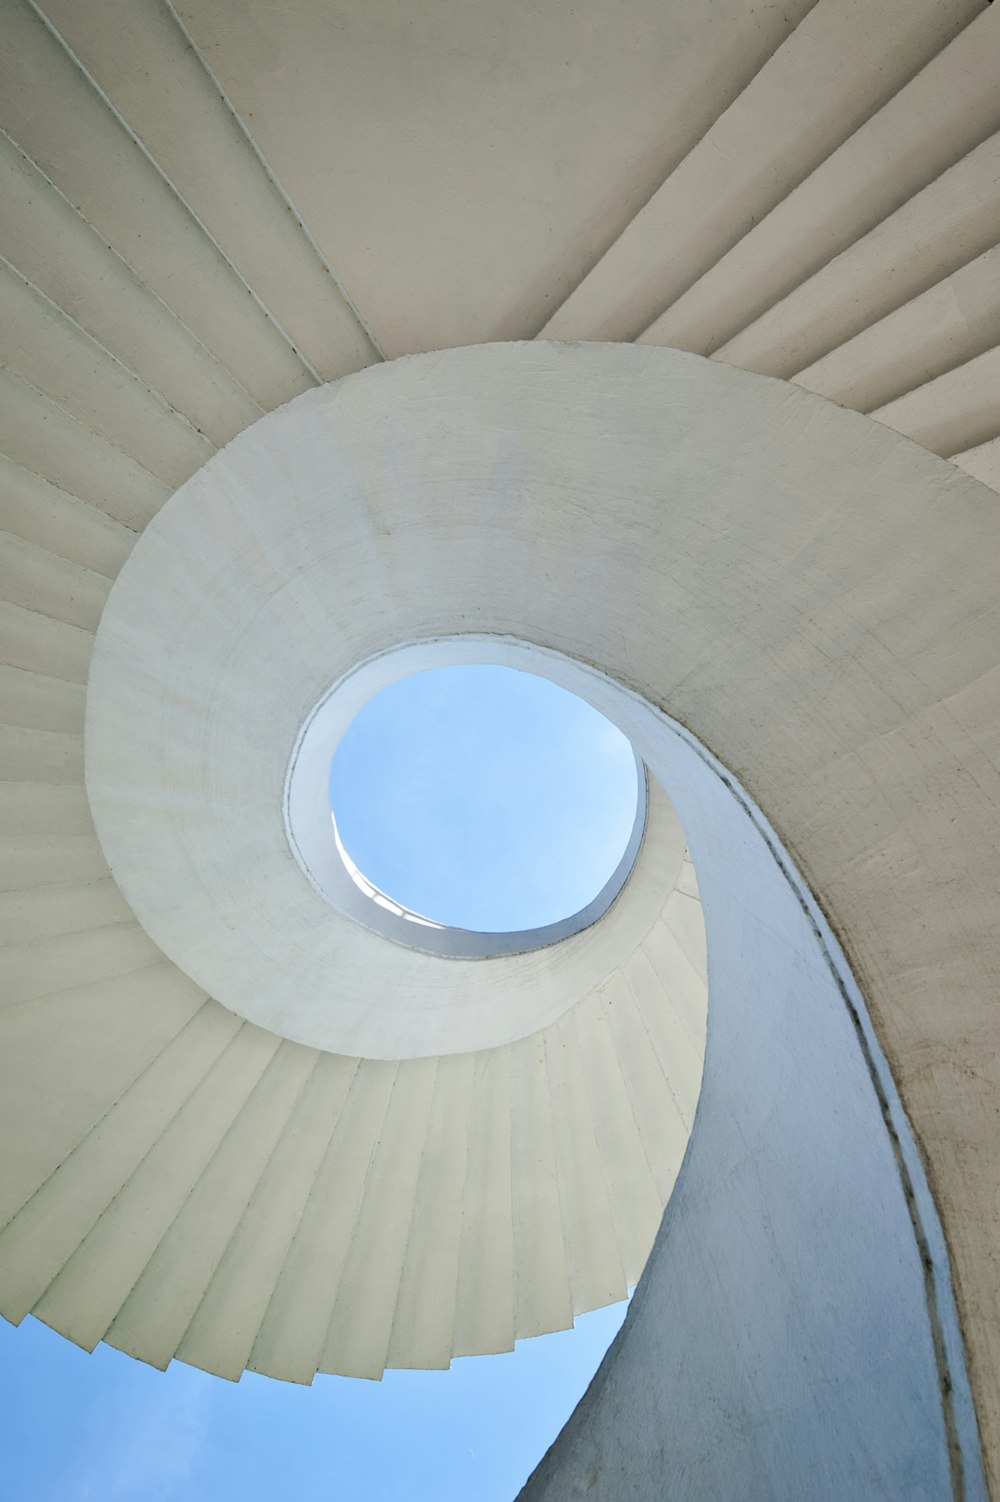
x: 200, y: 1176
x: 872, y: 114
x: 646, y: 202
x: 137, y: 141
x: 110, y: 1107
x: 131, y: 1176
x: 5, y: 532
x: 132, y: 272
x: 95, y: 432
x: 237, y: 1224
x: 821, y: 266
x: 869, y: 407
x: 922, y: 287
x: 329, y: 1330
x: 991, y: 349
x: 294, y: 1239
x: 273, y: 179
x: 122, y: 925
x: 133, y: 375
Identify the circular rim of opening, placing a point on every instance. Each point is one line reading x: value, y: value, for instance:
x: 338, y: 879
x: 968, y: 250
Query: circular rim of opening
x: 311, y: 827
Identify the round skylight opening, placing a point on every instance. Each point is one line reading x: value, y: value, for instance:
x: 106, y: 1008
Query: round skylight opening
x: 572, y: 832
x: 483, y: 798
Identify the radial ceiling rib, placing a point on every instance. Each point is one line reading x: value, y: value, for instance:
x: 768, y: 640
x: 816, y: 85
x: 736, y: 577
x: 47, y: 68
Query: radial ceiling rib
x: 934, y: 120
x: 40, y: 703
x: 155, y: 81
x: 39, y: 434
x: 53, y: 1223
x: 46, y: 967
x: 983, y: 462
x: 55, y: 355
x: 41, y: 643
x: 825, y: 80
x: 635, y: 1199
x: 36, y: 808
x: 292, y: 1337
x: 38, y: 860
x: 89, y: 154
x: 958, y: 410
x: 40, y: 755
x: 679, y: 1058
x: 54, y: 521
x: 104, y: 1036
x: 53, y: 912
x: 373, y: 346
x: 162, y: 1302
x: 687, y: 882
x: 680, y: 980
x: 952, y: 322
x: 486, y: 1250
x: 543, y: 1300
x: 42, y: 583
x: 223, y: 1329
x: 661, y: 1127
x: 357, y: 1338
x: 297, y: 357
x: 943, y: 227
x: 596, y: 1277
x: 53, y: 245
x: 683, y: 917
x: 423, y: 1324
x: 90, y: 1288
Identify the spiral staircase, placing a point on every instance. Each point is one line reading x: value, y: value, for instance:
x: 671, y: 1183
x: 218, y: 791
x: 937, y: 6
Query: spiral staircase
x: 209, y: 210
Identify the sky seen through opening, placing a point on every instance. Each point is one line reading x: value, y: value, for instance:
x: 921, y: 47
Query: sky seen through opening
x: 484, y: 797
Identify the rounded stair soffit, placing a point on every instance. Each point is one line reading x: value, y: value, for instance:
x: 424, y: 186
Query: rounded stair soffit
x: 184, y: 1182
x: 220, y: 780
x: 293, y: 1190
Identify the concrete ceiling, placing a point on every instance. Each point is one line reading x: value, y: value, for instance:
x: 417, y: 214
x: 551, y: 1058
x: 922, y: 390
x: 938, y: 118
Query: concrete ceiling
x: 265, y: 197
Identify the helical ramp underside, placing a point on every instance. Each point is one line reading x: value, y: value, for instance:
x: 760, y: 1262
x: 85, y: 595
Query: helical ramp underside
x: 247, y: 1129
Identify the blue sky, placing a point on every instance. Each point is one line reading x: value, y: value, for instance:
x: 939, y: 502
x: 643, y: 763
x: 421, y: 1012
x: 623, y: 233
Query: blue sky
x: 105, y: 1428
x: 479, y: 796
x: 484, y: 797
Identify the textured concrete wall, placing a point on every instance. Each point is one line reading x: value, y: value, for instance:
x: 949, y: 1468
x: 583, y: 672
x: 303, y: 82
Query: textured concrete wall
x: 784, y: 1341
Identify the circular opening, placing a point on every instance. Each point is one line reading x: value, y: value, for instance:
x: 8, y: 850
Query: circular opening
x: 311, y: 826
x: 483, y: 798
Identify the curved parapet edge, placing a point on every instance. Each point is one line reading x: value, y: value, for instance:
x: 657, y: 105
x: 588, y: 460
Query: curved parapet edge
x: 795, y: 1332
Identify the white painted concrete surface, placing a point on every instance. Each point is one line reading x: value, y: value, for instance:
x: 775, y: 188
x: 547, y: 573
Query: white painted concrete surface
x: 208, y: 767
x: 793, y: 572
x: 794, y: 1333
x: 831, y: 638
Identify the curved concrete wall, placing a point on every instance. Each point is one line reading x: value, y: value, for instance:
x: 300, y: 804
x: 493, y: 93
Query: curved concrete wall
x: 794, y: 1334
